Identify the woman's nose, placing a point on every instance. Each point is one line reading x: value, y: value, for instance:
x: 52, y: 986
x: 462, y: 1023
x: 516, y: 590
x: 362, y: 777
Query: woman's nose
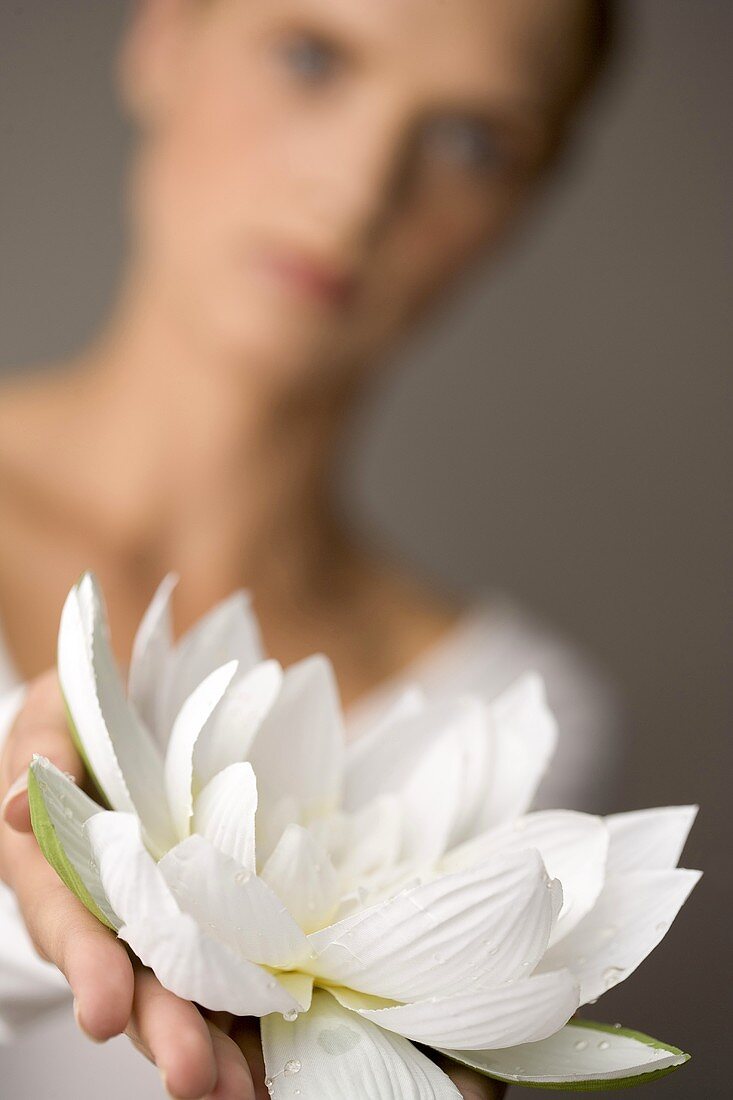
x: 357, y: 183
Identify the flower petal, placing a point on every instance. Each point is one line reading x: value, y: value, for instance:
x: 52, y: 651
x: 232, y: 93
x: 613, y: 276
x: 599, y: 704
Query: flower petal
x: 362, y: 844
x: 152, y: 649
x: 192, y: 718
x: 120, y: 752
x: 130, y: 876
x: 629, y: 919
x: 190, y: 963
x: 224, y: 813
x: 299, y: 747
x: 488, y: 923
x: 229, y: 632
x: 648, y: 839
x: 384, y: 760
x: 441, y: 796
x: 524, y: 1011
x: 524, y: 738
x: 573, y: 847
x: 330, y: 1053
x: 299, y: 986
x: 582, y: 1056
x: 238, y: 909
x: 228, y: 735
x: 303, y: 877
x: 198, y: 968
x: 58, y: 813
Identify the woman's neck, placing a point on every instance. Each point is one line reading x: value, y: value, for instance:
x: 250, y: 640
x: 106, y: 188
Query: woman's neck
x: 187, y: 459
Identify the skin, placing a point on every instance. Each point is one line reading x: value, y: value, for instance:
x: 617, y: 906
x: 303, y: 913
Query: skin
x: 309, y: 176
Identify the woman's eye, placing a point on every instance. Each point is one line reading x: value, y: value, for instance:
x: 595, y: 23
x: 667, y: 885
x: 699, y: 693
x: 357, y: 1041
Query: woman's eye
x: 462, y: 143
x: 309, y: 58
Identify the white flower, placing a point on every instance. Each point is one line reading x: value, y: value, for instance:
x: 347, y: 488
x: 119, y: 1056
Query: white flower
x: 398, y: 890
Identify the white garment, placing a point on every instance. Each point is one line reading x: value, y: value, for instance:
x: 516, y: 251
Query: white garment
x: 492, y: 644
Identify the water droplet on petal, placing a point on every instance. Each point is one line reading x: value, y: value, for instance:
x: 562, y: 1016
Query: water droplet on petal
x: 604, y: 1044
x: 290, y: 1015
x: 240, y: 877
x: 292, y: 1066
x: 662, y: 926
x: 581, y: 1044
x: 594, y: 1001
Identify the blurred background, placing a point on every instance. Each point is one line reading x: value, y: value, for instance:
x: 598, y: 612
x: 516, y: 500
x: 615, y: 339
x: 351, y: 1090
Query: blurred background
x: 563, y: 431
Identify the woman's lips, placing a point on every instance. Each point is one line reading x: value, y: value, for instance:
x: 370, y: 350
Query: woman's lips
x: 313, y: 278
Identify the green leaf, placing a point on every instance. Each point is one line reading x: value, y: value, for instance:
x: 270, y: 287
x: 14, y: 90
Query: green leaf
x: 617, y: 1058
x: 52, y: 849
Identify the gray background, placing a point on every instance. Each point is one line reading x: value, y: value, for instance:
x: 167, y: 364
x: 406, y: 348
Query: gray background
x: 564, y: 432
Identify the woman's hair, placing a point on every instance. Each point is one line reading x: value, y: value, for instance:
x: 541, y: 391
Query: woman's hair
x: 600, y: 43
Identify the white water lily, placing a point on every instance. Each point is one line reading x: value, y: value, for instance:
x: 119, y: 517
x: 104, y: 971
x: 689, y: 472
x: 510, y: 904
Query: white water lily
x: 397, y: 892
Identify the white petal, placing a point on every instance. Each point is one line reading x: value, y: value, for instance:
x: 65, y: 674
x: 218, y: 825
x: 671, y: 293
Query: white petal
x: 228, y: 736
x: 331, y: 1054
x: 299, y: 986
x: 385, y: 759
x: 299, y: 747
x: 193, y: 716
x: 490, y: 922
x: 198, y: 968
x: 238, y: 909
x: 580, y: 1054
x: 524, y: 737
x: 224, y: 813
x: 131, y: 879
x: 149, y: 663
x: 69, y: 808
x: 447, y: 786
x: 187, y: 961
x: 648, y: 839
x: 573, y: 847
x: 121, y: 753
x: 629, y: 919
x: 228, y: 632
x: 270, y: 823
x: 303, y: 877
x: 518, y: 1012
x: 365, y: 843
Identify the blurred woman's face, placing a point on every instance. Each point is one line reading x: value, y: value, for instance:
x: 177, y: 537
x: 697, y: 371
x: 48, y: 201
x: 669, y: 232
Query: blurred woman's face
x: 311, y: 172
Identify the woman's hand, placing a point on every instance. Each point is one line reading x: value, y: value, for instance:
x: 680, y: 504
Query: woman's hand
x: 471, y: 1085
x: 195, y: 1057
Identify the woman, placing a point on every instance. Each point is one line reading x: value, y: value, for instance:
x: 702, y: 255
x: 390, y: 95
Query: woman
x: 309, y: 176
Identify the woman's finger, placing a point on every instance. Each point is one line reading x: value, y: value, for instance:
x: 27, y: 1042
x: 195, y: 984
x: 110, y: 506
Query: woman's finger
x: 235, y: 1077
x: 40, y: 727
x: 174, y: 1035
x: 472, y: 1085
x: 95, y: 964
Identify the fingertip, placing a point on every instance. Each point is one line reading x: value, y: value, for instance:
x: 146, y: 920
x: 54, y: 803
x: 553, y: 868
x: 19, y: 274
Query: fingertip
x: 103, y: 992
x: 234, y: 1080
x: 190, y: 1072
x: 15, y: 808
